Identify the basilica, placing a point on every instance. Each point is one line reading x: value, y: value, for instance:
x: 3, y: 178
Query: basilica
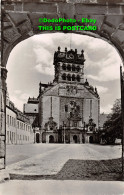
x: 66, y: 110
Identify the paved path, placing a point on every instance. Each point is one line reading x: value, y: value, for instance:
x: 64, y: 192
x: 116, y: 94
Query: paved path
x: 48, y: 159
x: 53, y: 187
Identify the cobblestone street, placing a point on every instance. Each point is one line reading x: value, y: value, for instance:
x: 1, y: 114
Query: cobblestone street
x: 48, y: 159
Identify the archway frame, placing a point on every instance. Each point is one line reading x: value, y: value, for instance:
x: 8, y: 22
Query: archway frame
x: 20, y: 21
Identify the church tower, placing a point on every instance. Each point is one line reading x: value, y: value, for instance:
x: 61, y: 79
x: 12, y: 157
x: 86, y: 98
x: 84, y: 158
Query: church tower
x: 69, y: 66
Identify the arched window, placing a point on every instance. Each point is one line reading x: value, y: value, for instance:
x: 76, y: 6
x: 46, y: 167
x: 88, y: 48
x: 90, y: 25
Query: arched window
x: 64, y: 76
x: 69, y: 67
x: 51, y: 139
x: 73, y: 77
x: 73, y: 68
x: 69, y: 77
x: 78, y: 78
x: 64, y: 66
x: 78, y: 68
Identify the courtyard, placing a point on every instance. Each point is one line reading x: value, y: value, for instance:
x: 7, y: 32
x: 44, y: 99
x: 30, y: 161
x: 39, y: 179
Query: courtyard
x: 64, y: 161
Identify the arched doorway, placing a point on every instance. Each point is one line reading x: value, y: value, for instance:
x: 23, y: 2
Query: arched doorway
x: 51, y: 139
x: 75, y: 139
x: 37, y: 138
x: 91, y: 139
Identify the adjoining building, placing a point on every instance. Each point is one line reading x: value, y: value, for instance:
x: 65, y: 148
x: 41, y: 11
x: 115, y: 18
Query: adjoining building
x: 30, y: 109
x: 68, y: 107
x: 18, y: 126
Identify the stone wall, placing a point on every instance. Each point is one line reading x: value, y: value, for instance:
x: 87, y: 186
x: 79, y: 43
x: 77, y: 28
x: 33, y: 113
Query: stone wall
x: 20, y: 21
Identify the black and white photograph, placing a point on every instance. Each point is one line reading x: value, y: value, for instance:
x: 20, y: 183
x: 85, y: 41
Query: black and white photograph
x: 62, y: 97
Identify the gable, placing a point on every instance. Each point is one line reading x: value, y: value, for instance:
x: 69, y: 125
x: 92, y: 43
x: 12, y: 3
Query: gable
x: 52, y: 91
x: 77, y: 91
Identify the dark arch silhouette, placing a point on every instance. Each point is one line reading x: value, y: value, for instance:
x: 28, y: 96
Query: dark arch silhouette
x: 73, y: 68
x: 69, y: 67
x: 75, y: 138
x: 37, y: 138
x: 51, y: 139
x: 69, y: 77
x: 64, y: 76
x: 91, y: 139
x: 78, y: 78
x: 73, y: 77
x: 64, y: 66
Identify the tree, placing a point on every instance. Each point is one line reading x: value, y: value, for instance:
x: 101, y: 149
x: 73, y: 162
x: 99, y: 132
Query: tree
x: 112, y: 128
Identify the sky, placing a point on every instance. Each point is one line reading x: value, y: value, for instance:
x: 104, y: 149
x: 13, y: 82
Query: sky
x: 31, y: 61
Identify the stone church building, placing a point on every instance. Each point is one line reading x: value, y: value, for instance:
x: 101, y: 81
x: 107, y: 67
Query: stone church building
x: 69, y: 106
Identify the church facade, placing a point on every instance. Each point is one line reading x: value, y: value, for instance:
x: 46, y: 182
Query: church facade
x: 69, y: 107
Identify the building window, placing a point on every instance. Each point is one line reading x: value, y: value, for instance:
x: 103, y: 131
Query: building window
x: 73, y: 68
x: 68, y: 67
x: 69, y: 77
x: 12, y: 121
x: 18, y: 124
x: 73, y: 77
x: 14, y: 137
x: 7, y: 136
x: 8, y: 119
x: 78, y: 78
x: 66, y: 108
x: 64, y: 76
x: 64, y: 66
